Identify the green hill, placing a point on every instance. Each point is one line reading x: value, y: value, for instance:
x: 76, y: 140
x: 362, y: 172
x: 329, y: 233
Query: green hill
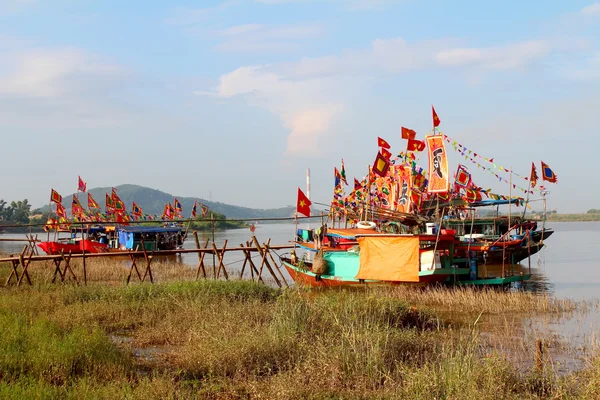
x: 152, y: 201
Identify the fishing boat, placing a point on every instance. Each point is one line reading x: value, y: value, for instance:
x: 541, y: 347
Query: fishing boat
x: 368, y: 257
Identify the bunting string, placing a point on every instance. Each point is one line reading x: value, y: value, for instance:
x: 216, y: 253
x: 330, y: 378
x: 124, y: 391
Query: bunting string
x: 478, y: 160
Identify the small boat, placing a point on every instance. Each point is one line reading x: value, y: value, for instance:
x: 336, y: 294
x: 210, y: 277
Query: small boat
x: 115, y: 239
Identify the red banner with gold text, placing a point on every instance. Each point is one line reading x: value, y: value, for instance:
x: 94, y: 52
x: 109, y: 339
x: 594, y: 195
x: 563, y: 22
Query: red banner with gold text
x: 438, y: 165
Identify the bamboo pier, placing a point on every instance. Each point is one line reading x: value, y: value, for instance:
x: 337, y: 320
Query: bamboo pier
x: 263, y: 267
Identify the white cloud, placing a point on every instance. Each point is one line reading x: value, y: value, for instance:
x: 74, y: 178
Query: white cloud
x: 52, y: 72
x: 305, y: 107
x: 8, y: 7
x: 496, y: 58
x: 257, y: 37
x: 309, y: 95
x: 591, y: 10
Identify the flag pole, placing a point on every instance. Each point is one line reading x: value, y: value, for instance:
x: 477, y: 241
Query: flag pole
x: 526, y: 201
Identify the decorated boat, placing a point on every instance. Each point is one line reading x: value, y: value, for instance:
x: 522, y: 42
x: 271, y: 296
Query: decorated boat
x: 368, y: 257
x: 402, y: 198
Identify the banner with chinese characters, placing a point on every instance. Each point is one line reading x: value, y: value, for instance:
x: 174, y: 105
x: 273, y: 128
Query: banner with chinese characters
x: 438, y: 165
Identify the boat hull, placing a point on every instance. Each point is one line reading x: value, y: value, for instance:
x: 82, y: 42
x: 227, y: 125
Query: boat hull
x: 428, y: 277
x: 89, y: 246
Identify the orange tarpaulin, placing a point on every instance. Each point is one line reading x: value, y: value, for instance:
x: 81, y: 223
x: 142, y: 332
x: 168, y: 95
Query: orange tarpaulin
x: 389, y: 258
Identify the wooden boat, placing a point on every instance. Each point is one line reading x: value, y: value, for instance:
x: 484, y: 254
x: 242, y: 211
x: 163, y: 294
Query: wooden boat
x: 367, y: 257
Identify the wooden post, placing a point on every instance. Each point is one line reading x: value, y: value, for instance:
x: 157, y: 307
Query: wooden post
x: 200, y: 256
x: 244, y: 265
x: 275, y: 265
x: 253, y: 269
x: 220, y: 256
x: 264, y: 260
x: 24, y: 265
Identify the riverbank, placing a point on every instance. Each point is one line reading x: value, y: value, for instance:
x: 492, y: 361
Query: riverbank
x: 215, y: 339
x: 573, y: 217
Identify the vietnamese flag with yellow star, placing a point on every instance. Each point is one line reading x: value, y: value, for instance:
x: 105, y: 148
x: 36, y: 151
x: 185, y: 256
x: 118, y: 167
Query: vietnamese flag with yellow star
x: 303, y: 204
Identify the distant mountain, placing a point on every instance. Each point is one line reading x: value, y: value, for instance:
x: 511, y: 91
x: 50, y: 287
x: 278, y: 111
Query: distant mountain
x: 152, y: 201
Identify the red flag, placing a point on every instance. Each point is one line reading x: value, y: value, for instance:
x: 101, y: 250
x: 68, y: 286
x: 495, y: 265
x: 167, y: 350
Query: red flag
x: 136, y: 210
x: 436, y: 119
x: 381, y: 165
x: 81, y: 185
x: 547, y: 173
x: 55, y: 197
x: 408, y: 133
x: 534, y: 176
x: 357, y: 185
x: 60, y: 210
x: 386, y: 153
x: 382, y: 143
x: 303, y: 204
x: 415, y: 145
x: 91, y: 202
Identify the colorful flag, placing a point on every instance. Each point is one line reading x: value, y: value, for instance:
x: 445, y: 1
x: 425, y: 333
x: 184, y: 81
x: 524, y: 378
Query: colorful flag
x: 55, y: 197
x: 194, y: 209
x: 415, y: 198
x: 303, y: 204
x: 438, y: 165
x: 357, y: 185
x: 382, y: 143
x: 436, y: 119
x: 60, y: 210
x: 81, y: 185
x: 415, y: 145
x: 343, y: 173
x: 91, y: 202
x: 136, y: 210
x: 463, y: 177
x: 386, y: 153
x: 408, y: 133
x: 547, y: 173
x: 534, y: 176
x: 381, y: 165
x: 178, y: 207
x: 338, y: 177
x: 110, y: 204
x: 403, y: 196
x: 204, y: 210
x: 472, y: 195
x: 117, y: 203
x: 76, y: 208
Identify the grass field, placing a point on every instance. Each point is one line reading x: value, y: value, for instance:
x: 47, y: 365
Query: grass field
x: 237, y: 339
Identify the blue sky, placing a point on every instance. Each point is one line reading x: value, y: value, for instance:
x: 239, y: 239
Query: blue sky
x: 234, y: 99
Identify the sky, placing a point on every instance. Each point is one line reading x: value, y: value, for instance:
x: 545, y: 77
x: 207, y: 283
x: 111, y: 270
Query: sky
x: 233, y: 100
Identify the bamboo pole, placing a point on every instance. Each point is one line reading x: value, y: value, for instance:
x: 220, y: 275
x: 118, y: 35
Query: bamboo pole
x: 275, y: 265
x: 264, y: 260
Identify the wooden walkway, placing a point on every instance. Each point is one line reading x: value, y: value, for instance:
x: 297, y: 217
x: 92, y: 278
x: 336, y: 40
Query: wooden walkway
x: 141, y: 262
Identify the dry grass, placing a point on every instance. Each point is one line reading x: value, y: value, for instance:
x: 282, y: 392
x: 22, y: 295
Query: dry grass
x: 216, y: 339
x: 472, y: 300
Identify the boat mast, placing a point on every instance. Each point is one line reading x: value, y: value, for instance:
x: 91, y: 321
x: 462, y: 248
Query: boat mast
x: 509, y: 199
